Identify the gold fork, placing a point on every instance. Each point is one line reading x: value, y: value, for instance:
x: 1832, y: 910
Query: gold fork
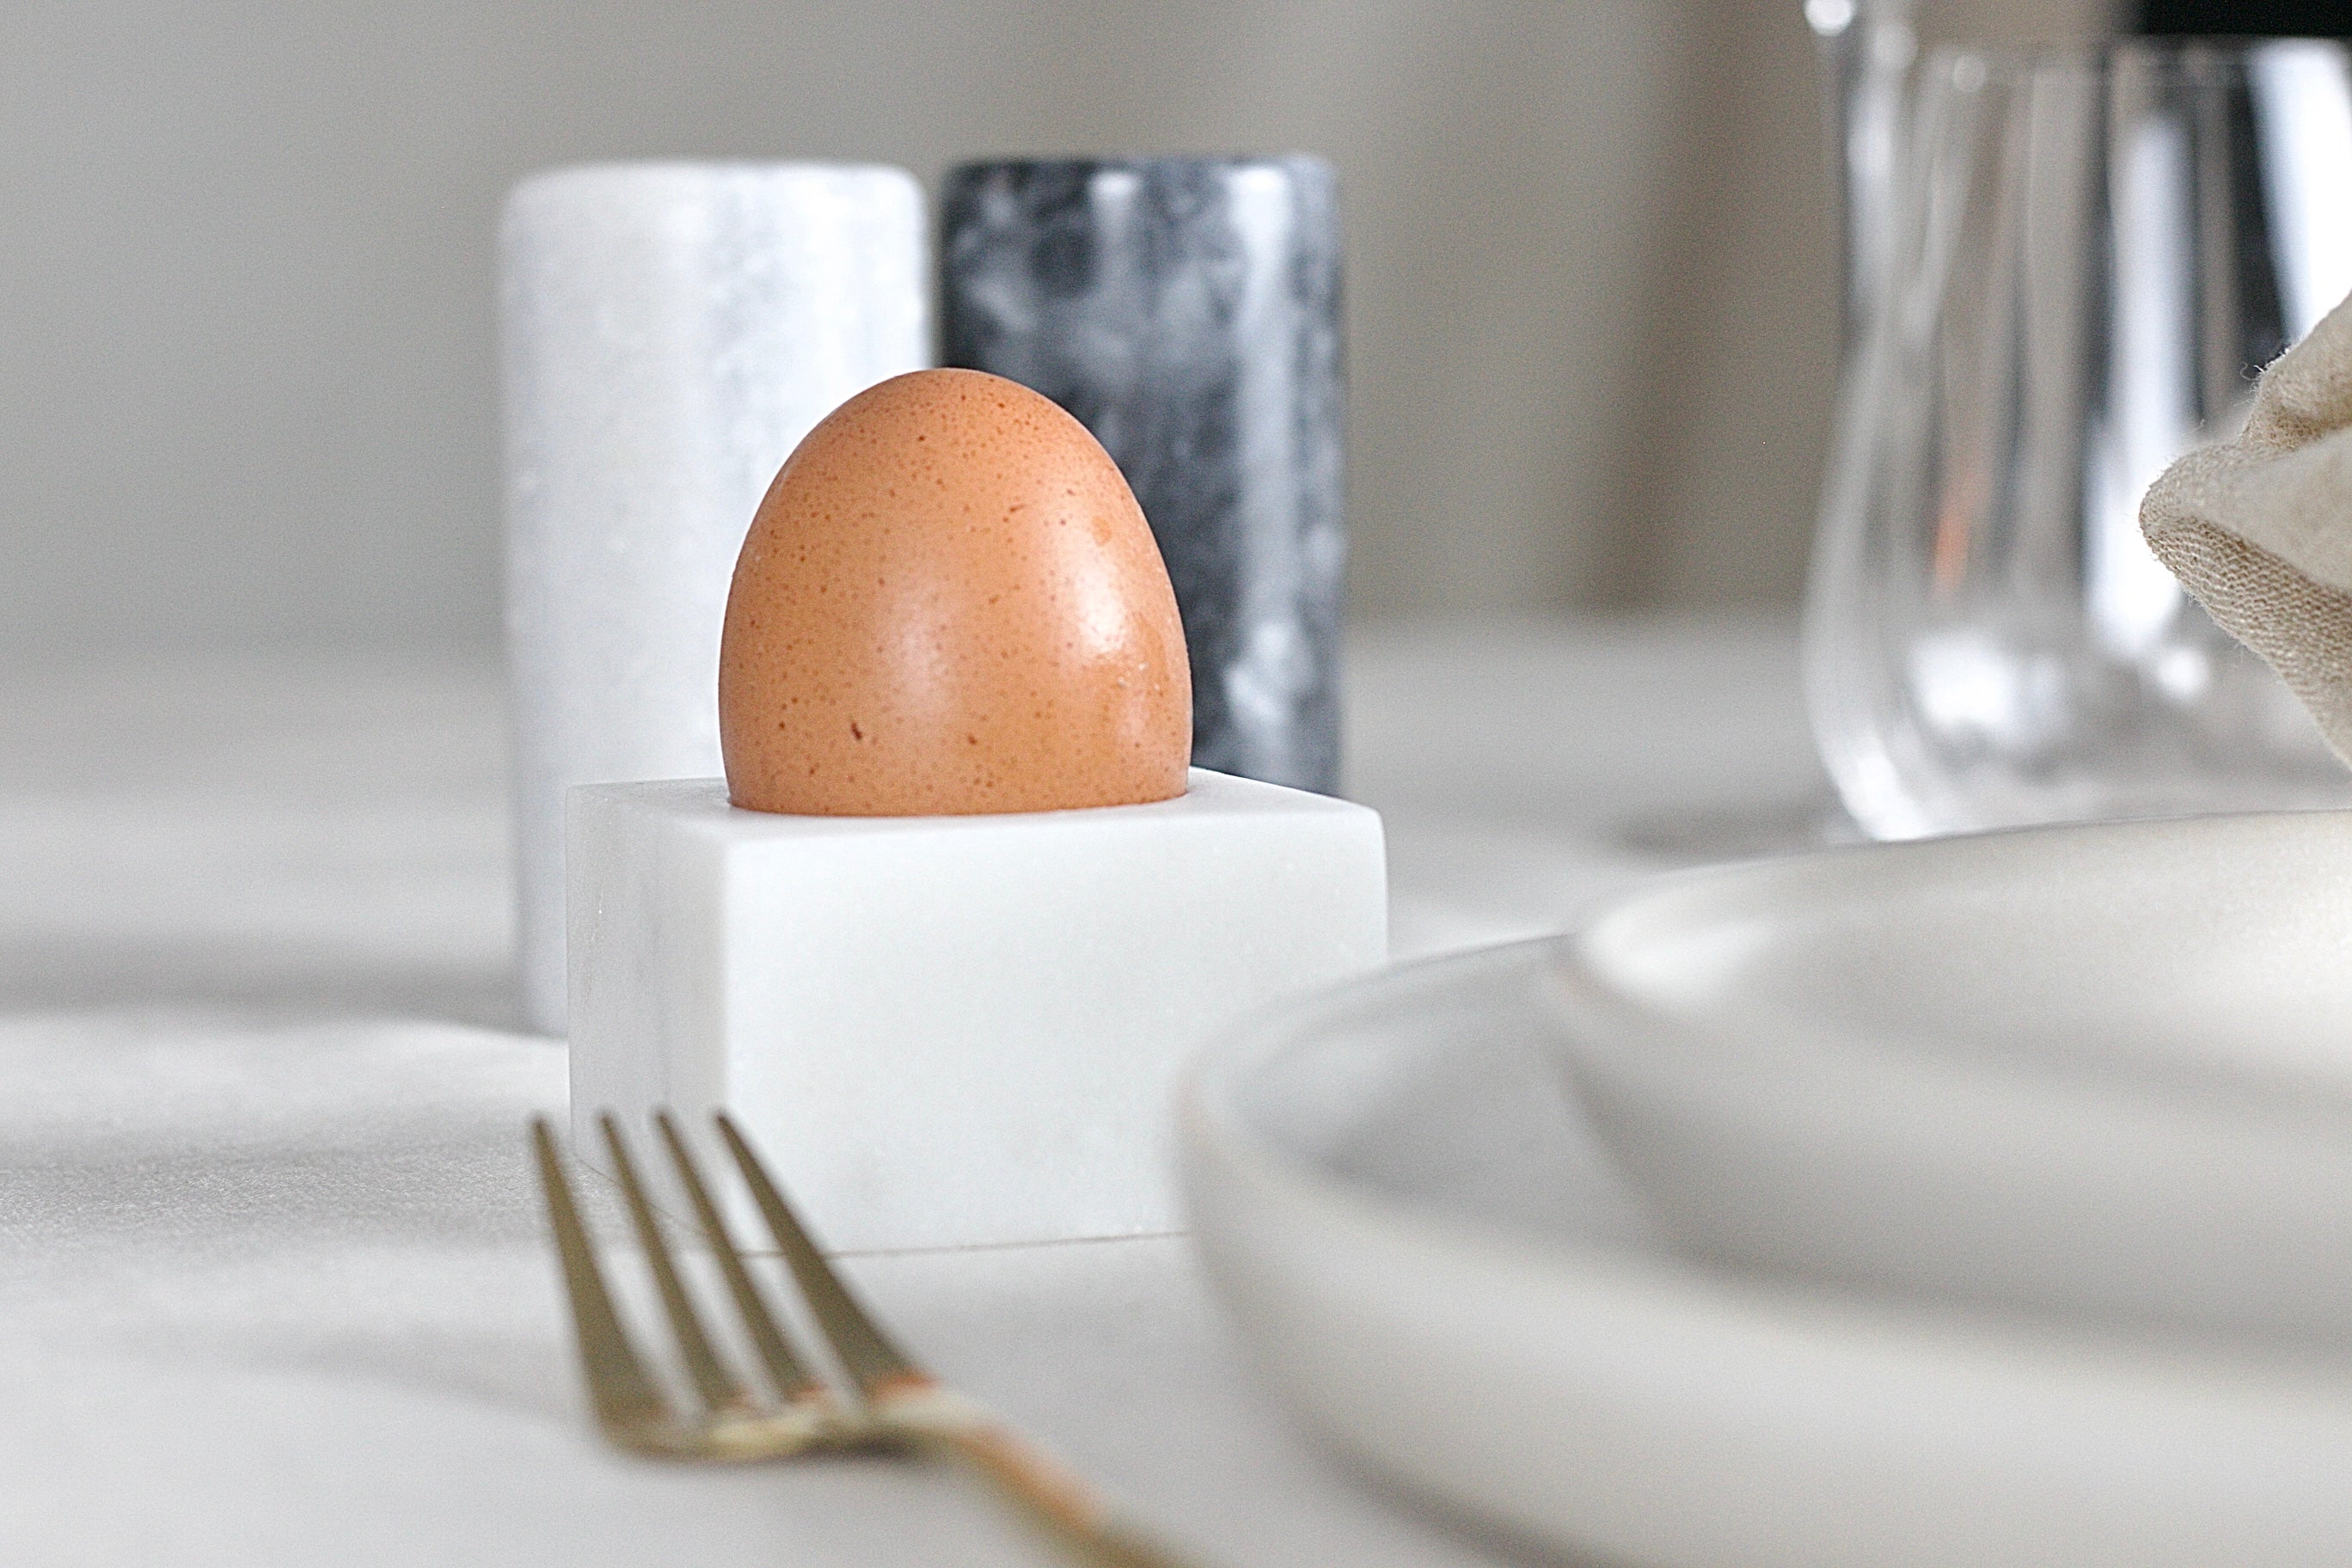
x: 898, y: 1406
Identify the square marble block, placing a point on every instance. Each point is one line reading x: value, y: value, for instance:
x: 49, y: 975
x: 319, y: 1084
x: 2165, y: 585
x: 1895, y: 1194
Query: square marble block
x: 949, y: 1030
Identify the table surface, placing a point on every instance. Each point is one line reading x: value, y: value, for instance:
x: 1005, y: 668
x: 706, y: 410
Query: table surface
x: 277, y: 1290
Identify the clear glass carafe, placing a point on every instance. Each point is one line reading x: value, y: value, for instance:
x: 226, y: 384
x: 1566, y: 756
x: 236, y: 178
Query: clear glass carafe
x: 2092, y: 258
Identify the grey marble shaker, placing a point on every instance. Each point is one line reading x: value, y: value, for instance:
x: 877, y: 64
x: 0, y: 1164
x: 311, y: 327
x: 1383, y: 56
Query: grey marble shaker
x: 1187, y: 311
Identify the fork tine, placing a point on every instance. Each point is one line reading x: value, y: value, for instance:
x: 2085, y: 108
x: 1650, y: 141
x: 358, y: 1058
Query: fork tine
x: 866, y: 1351
x: 907, y: 1400
x: 711, y: 1379
x: 792, y: 1376
x: 626, y: 1399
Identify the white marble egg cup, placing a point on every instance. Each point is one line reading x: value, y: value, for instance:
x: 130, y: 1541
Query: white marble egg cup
x: 949, y: 1031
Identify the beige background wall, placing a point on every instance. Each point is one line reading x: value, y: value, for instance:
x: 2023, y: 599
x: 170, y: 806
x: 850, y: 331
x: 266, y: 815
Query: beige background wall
x: 245, y: 337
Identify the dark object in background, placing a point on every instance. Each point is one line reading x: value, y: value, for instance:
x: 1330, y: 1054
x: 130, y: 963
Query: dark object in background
x: 2242, y: 18
x: 1187, y: 311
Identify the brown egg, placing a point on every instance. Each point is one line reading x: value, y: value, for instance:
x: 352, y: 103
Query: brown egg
x: 949, y: 604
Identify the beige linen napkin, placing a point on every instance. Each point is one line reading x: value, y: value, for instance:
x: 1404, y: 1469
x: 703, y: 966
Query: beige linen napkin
x: 2259, y: 529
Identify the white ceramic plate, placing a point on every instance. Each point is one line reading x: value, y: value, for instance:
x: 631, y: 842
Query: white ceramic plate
x: 2103, y: 1070
x: 1433, y: 1262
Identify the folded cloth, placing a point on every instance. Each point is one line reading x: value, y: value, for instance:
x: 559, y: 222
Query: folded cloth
x: 2259, y: 529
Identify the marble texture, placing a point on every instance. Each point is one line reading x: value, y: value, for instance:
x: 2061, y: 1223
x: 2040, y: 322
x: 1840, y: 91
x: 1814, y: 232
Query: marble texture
x: 951, y: 1031
x: 671, y: 330
x: 1187, y: 310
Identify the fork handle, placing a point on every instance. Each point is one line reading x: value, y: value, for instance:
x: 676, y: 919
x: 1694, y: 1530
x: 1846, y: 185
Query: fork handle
x: 1074, y: 1518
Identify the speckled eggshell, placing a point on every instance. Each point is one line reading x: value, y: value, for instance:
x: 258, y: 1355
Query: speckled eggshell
x: 949, y: 604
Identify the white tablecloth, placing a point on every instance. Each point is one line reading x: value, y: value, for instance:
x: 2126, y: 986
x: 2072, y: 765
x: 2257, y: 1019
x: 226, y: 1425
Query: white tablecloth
x: 274, y: 1287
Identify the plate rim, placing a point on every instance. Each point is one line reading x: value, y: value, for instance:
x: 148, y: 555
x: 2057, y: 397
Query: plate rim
x: 1228, y: 1165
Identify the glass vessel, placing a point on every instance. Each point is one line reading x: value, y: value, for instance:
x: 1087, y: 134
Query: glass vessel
x: 2092, y: 258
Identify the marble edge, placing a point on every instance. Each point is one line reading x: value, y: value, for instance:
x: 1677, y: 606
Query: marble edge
x: 702, y: 804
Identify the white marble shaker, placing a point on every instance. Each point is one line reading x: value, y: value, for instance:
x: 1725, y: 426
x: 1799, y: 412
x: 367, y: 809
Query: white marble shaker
x: 670, y: 330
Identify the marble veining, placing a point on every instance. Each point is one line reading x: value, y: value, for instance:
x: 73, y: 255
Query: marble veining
x: 1187, y: 311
